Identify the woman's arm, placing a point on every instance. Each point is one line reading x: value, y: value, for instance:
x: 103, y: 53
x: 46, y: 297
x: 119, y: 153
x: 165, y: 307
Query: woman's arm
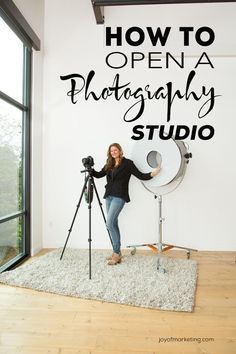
x: 135, y: 171
x: 99, y: 174
x: 143, y: 176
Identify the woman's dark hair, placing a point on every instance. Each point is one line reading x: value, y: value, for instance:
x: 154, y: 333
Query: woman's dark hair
x: 110, y: 164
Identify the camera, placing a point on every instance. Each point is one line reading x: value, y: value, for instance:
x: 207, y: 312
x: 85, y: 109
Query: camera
x: 88, y: 162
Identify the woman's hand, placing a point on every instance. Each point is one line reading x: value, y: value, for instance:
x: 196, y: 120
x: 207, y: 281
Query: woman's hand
x: 155, y: 171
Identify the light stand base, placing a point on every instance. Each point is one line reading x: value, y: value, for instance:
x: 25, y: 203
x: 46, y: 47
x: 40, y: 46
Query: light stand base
x: 160, y: 247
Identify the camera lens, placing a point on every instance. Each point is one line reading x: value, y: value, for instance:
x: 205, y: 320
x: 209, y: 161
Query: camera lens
x: 88, y: 162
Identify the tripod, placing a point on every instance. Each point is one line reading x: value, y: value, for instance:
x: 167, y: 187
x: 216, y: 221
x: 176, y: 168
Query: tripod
x: 89, y: 185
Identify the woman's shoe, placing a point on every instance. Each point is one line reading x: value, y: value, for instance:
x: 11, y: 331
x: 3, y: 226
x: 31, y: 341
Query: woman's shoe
x: 111, y: 257
x: 116, y: 258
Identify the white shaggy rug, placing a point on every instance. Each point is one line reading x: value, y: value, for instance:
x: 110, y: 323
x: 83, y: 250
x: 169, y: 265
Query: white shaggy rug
x: 135, y: 281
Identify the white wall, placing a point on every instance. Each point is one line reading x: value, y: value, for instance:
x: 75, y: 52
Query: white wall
x: 33, y: 11
x: 200, y: 213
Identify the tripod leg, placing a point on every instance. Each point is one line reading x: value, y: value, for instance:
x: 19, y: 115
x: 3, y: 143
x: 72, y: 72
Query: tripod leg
x: 100, y: 204
x: 90, y: 224
x: 77, y: 208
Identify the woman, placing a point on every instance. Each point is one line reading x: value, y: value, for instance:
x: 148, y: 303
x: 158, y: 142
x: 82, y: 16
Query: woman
x: 118, y: 171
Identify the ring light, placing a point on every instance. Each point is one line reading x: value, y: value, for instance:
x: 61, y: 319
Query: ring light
x: 171, y: 155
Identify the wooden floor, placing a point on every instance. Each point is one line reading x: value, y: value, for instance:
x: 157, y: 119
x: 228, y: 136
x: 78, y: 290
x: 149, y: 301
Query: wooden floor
x: 34, y: 322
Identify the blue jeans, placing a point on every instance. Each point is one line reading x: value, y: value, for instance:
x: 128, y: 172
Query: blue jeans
x: 114, y: 206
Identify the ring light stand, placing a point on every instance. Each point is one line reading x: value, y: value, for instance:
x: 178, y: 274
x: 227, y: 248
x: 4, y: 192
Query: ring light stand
x: 173, y: 157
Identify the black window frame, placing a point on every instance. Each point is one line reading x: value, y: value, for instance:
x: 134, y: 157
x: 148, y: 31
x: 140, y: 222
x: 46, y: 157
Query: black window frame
x: 15, y: 20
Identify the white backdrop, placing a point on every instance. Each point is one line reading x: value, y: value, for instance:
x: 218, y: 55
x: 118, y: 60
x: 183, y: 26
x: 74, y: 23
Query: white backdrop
x: 200, y: 212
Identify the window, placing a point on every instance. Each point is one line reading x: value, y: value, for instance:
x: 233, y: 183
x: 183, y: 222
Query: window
x: 15, y: 67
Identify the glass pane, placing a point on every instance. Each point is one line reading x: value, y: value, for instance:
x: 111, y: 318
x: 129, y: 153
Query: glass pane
x: 10, y: 159
x: 11, y: 240
x: 11, y: 63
